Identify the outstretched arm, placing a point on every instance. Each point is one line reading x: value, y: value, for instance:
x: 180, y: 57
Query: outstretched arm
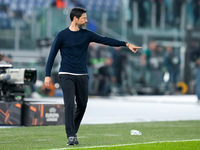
x: 132, y: 47
x: 111, y: 42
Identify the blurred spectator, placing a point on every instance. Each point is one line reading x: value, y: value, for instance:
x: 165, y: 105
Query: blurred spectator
x: 156, y: 64
x: 141, y: 11
x: 169, y: 12
x: 104, y: 69
x: 152, y: 61
x: 177, y: 5
x: 34, y: 93
x: 92, y: 70
x: 6, y: 59
x: 60, y: 4
x: 5, y: 21
x: 196, y: 10
x: 104, y: 88
x: 99, y: 69
x: 172, y: 64
x: 158, y: 3
x: 195, y: 56
x: 103, y: 52
x: 119, y: 65
x: 145, y: 62
x: 75, y: 3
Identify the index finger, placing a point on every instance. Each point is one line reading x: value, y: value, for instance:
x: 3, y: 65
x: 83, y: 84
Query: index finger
x: 137, y: 47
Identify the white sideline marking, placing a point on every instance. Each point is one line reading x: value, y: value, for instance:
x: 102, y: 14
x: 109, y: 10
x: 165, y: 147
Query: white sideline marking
x: 4, y: 142
x: 41, y: 140
x: 127, y: 144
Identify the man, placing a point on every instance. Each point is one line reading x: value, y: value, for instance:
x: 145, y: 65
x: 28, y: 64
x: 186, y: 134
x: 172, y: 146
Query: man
x: 152, y: 61
x: 195, y: 56
x: 73, y: 44
x: 172, y: 63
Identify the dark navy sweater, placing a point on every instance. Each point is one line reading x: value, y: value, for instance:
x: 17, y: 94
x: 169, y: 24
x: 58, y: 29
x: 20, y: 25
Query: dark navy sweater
x: 73, y: 46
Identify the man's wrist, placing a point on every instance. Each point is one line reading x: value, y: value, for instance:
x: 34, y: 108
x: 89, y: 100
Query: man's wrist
x: 127, y: 44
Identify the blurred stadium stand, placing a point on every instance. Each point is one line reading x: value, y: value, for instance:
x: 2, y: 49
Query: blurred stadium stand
x: 99, y: 5
x: 28, y: 27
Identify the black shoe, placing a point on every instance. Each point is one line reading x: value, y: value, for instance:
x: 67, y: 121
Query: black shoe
x: 76, y: 141
x: 72, y: 141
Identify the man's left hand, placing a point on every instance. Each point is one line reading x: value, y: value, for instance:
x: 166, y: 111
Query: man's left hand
x: 132, y: 47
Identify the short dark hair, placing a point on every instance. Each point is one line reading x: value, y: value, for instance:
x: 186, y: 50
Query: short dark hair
x: 77, y: 12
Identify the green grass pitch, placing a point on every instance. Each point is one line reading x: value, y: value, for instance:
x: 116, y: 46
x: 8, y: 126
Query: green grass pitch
x: 174, y: 135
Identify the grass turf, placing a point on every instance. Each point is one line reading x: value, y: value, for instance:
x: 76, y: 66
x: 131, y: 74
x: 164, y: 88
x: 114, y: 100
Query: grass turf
x: 187, y: 145
x: 53, y: 137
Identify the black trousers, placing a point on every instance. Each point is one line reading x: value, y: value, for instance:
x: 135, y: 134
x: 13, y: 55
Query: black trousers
x: 75, y: 94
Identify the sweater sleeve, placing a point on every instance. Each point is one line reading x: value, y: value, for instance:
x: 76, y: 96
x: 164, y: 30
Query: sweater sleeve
x: 105, y: 40
x: 56, y: 45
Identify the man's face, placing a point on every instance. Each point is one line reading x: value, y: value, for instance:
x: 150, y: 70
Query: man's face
x: 81, y: 22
